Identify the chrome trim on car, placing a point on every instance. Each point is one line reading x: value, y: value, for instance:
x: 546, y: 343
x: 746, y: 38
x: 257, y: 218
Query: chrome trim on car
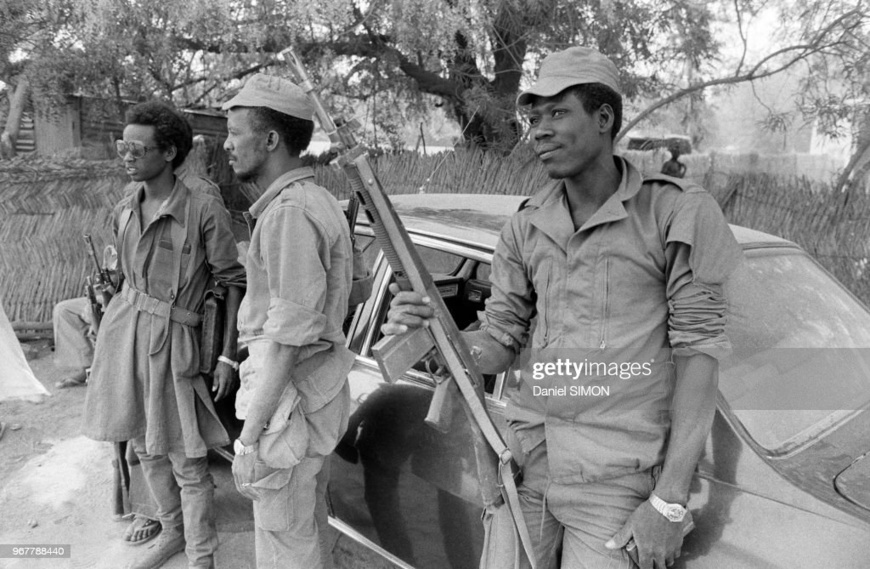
x: 364, y: 541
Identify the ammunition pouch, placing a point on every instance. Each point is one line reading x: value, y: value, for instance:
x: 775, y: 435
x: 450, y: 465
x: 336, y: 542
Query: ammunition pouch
x: 212, y: 342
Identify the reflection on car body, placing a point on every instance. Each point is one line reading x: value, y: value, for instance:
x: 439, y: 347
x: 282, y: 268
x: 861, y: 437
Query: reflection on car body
x: 779, y: 484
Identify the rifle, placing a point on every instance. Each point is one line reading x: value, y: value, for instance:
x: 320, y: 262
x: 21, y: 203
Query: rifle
x: 104, y: 279
x: 120, y: 474
x: 441, y: 341
x: 96, y: 309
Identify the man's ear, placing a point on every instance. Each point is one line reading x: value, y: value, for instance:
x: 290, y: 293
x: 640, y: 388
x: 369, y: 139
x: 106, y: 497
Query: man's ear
x: 272, y: 140
x: 169, y: 153
x: 605, y: 118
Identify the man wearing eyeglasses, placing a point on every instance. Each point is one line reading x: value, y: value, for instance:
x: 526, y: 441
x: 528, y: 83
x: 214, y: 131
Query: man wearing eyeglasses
x: 145, y: 382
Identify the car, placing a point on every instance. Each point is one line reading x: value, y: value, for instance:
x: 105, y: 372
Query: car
x: 782, y: 482
x: 680, y: 142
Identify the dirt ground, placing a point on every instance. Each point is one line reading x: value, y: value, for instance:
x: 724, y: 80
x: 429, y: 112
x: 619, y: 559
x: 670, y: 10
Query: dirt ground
x: 55, y: 489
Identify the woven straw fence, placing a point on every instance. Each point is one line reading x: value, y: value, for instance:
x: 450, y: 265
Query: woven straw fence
x: 45, y: 207
x: 833, y: 228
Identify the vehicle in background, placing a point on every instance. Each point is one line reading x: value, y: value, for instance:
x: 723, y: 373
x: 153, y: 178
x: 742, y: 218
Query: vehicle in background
x: 682, y: 143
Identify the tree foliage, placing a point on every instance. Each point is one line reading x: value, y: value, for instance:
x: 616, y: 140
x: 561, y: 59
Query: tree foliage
x: 397, y: 58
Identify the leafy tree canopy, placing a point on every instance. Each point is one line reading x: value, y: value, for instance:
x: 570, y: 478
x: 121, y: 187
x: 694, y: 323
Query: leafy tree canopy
x: 398, y: 58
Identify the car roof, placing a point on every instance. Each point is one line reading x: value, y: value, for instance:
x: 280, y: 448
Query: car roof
x: 477, y: 219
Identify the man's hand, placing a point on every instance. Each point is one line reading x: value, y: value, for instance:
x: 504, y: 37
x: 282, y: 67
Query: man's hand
x: 224, y: 376
x: 407, y: 310
x: 658, y: 540
x: 243, y: 474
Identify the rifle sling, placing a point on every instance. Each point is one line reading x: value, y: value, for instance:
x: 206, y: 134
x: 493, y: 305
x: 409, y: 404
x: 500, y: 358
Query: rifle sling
x: 506, y: 462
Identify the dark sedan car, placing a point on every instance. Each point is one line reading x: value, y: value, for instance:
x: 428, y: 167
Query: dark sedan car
x: 782, y: 481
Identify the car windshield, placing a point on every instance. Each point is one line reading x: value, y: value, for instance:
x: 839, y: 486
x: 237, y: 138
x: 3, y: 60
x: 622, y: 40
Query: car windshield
x: 801, y: 344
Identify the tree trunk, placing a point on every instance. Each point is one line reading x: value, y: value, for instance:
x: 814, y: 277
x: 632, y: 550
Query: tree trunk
x: 853, y: 173
x: 13, y: 119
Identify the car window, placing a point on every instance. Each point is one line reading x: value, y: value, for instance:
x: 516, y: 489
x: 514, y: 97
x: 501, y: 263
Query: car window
x: 366, y: 244
x: 800, y: 349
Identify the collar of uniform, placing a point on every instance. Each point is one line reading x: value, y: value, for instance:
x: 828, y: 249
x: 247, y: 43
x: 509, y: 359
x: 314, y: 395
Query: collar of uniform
x: 174, y: 204
x: 552, y: 214
x: 613, y: 209
x: 177, y: 201
x: 279, y: 184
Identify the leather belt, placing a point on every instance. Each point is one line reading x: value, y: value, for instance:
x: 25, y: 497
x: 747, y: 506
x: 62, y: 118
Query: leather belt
x: 146, y: 303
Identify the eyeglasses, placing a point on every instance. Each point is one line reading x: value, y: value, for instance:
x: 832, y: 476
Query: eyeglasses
x: 136, y: 149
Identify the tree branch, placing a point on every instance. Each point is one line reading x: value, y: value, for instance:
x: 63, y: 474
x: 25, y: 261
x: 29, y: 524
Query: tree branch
x: 817, y: 45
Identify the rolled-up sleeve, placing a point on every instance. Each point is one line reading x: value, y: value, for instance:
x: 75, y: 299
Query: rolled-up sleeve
x: 297, y: 283
x: 222, y: 254
x: 701, y: 253
x: 511, y: 307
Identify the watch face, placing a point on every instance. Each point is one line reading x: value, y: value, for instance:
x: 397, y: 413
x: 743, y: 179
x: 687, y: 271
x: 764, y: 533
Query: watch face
x: 675, y: 513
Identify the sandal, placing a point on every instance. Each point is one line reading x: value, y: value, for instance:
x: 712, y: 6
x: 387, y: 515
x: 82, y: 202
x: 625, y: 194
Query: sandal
x: 142, y: 530
x: 72, y: 381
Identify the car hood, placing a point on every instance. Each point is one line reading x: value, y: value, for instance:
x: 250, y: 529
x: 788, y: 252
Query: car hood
x: 854, y: 482
x: 818, y: 468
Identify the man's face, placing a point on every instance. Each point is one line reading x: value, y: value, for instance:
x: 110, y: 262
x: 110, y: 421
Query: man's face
x: 566, y: 138
x: 153, y: 162
x: 245, y: 146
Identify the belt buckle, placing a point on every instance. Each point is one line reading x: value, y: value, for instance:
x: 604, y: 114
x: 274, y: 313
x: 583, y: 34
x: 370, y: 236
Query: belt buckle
x: 151, y: 304
x: 139, y: 300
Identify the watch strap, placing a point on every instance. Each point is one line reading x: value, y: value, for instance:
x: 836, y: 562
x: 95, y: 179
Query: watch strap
x: 241, y: 449
x: 229, y: 362
x: 673, y: 512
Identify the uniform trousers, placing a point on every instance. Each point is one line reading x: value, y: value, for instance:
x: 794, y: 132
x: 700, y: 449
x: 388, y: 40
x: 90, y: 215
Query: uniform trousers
x: 291, y: 523
x: 192, y: 508
x: 73, y: 334
x: 581, y: 517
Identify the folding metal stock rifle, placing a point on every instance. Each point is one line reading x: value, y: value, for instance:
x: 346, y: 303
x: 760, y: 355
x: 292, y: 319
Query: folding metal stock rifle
x: 441, y: 341
x: 103, y: 282
x: 121, y: 474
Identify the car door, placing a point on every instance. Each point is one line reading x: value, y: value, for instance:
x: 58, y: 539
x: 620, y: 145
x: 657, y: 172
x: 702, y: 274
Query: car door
x: 396, y: 483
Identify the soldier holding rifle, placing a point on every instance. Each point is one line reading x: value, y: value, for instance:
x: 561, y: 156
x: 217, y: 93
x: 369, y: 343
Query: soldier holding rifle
x: 620, y: 271
x: 74, y: 320
x: 146, y: 384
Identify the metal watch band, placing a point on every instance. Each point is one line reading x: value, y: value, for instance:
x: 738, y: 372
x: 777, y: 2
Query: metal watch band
x: 673, y: 512
x: 240, y: 448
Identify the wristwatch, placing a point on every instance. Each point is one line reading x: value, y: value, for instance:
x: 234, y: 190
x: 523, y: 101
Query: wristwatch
x: 673, y: 512
x: 240, y: 448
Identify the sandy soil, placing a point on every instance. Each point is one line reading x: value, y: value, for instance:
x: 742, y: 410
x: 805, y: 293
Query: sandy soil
x: 55, y: 488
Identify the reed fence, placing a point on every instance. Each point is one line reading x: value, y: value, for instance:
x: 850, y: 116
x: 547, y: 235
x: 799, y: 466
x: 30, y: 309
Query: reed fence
x: 46, y: 206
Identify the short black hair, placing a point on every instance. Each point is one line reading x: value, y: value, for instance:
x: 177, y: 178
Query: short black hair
x: 171, y: 128
x: 593, y: 96
x: 295, y: 132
